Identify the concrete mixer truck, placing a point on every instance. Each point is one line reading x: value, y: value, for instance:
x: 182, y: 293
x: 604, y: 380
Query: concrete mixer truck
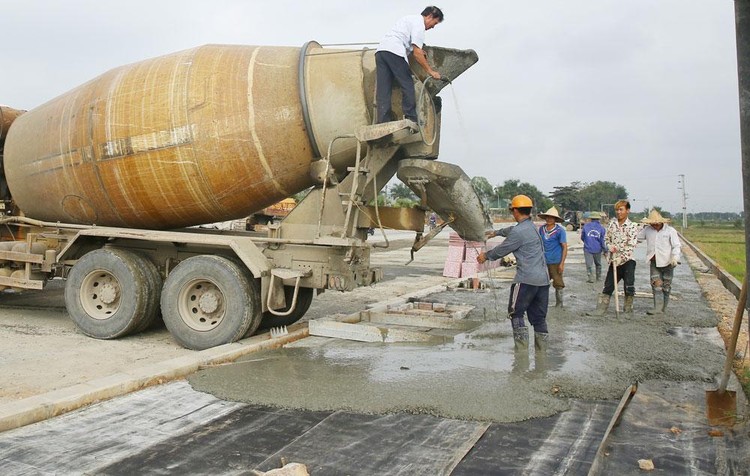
x: 105, y: 182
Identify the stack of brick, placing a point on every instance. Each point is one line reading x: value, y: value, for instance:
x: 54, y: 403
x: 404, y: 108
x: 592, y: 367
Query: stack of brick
x: 462, y: 258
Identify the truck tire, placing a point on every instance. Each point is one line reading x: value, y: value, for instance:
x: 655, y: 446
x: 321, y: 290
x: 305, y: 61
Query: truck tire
x: 304, y: 300
x: 208, y: 301
x: 107, y: 293
x: 154, y: 285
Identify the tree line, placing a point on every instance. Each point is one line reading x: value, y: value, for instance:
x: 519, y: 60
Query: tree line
x: 600, y: 195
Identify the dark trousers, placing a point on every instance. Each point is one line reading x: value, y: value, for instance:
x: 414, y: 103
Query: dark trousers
x: 532, y: 300
x: 390, y: 67
x: 661, y: 278
x: 626, y: 272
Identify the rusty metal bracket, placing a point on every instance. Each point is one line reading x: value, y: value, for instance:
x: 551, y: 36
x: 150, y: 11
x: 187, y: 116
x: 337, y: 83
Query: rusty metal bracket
x: 420, y: 241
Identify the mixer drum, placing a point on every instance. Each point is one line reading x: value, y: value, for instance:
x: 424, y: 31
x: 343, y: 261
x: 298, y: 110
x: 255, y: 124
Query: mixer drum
x: 204, y: 135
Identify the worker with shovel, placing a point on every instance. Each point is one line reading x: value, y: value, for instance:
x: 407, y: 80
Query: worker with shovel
x: 621, y: 239
x: 529, y: 293
x: 663, y: 254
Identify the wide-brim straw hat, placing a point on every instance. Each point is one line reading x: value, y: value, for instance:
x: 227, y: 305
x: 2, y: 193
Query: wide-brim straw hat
x: 552, y: 212
x: 655, y: 217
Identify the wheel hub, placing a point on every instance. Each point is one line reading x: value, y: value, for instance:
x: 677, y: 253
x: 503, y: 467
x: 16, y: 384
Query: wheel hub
x: 201, y: 305
x: 108, y: 294
x: 208, y: 303
x: 99, y: 294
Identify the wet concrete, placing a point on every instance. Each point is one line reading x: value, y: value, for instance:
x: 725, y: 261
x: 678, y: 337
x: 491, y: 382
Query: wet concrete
x: 478, y: 376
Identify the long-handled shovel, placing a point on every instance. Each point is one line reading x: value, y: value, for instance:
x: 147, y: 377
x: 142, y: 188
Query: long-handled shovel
x: 617, y: 298
x: 721, y: 404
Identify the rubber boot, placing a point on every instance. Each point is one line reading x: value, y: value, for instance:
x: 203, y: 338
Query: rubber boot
x: 629, y: 304
x: 558, y: 298
x: 521, y: 338
x: 601, y: 306
x: 598, y: 274
x: 540, y: 341
x: 666, y: 302
x: 658, y: 303
x: 590, y: 278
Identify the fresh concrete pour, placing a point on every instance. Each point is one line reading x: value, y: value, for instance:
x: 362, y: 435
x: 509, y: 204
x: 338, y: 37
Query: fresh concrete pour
x: 477, y: 376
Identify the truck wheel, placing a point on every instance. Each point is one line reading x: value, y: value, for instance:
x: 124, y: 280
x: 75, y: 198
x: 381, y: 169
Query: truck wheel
x: 107, y: 293
x: 304, y: 300
x: 208, y: 301
x: 154, y: 283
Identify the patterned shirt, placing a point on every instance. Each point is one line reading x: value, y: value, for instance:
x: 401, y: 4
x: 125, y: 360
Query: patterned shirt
x: 624, y: 238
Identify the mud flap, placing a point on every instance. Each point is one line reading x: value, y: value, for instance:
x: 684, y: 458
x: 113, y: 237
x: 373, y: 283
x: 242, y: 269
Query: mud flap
x: 447, y: 190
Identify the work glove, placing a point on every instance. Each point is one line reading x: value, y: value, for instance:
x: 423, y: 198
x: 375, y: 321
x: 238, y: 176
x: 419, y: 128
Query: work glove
x: 674, y: 262
x: 489, y: 234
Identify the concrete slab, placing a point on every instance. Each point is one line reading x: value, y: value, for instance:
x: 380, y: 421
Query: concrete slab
x: 366, y: 332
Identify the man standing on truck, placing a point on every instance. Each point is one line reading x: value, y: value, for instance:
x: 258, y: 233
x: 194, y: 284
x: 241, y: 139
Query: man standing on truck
x: 529, y: 292
x: 663, y: 254
x: 392, y: 62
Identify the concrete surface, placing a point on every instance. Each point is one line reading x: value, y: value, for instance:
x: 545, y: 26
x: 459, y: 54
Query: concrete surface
x: 49, y: 367
x: 589, y: 360
x: 477, y: 375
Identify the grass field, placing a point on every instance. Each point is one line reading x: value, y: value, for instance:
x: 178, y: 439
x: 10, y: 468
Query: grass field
x: 725, y: 244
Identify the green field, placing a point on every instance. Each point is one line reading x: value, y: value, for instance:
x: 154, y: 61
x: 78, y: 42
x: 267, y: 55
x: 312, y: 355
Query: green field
x: 725, y: 244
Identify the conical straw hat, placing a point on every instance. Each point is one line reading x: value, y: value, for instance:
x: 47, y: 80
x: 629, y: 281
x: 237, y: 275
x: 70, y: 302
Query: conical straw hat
x: 552, y: 212
x: 655, y: 217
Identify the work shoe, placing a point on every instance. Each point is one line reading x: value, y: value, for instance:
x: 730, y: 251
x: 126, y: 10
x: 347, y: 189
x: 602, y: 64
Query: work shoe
x: 540, y: 341
x: 629, y: 304
x: 590, y: 278
x: 521, y: 338
x: 601, y: 306
x: 666, y: 302
x: 558, y: 298
x: 658, y: 304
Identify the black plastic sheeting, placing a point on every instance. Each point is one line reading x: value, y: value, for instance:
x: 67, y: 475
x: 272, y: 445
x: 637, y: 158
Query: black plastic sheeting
x: 563, y: 444
x: 327, y: 443
x: 666, y: 423
x: 172, y: 429
x: 355, y: 444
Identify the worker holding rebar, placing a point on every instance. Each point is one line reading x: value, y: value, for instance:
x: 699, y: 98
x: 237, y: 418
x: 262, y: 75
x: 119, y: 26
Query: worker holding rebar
x: 392, y: 62
x: 621, y: 240
x: 663, y: 255
x: 529, y: 293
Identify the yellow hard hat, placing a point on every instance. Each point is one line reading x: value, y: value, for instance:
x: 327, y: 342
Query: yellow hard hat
x: 521, y: 201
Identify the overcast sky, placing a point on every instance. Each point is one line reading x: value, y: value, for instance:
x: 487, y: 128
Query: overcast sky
x: 631, y: 91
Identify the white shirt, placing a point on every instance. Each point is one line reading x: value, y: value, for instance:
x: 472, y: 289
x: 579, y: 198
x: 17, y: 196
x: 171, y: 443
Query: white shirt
x: 407, y: 31
x: 664, y: 244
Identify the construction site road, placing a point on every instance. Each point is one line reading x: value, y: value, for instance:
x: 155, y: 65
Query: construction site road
x: 464, y: 403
